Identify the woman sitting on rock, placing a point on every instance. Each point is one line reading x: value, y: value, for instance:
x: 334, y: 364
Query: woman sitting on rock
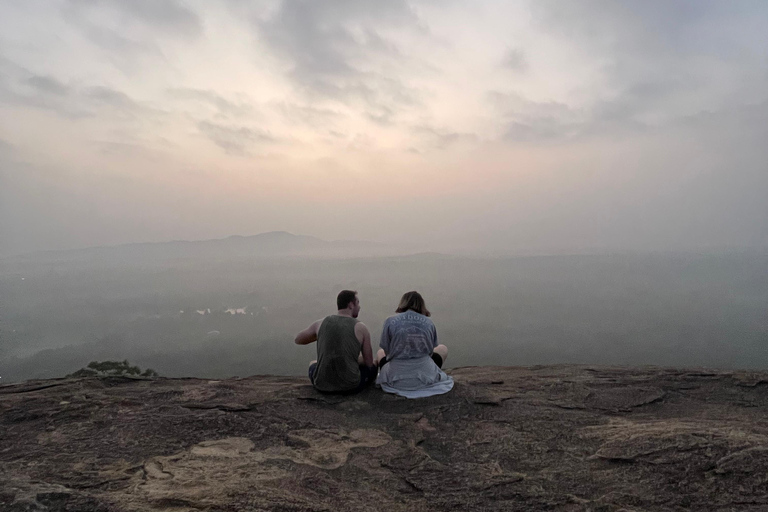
x: 409, y: 357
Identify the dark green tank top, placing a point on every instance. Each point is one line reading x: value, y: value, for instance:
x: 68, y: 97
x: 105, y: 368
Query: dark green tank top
x: 337, y: 352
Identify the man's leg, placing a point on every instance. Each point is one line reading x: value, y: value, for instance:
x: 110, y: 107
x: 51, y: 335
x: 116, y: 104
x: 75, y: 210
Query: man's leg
x: 367, y: 373
x: 311, y: 371
x: 439, y: 355
x: 368, y: 376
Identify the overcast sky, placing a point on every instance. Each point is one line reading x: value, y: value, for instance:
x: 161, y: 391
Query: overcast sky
x: 523, y: 127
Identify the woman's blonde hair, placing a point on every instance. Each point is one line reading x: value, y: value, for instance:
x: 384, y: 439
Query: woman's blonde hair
x: 413, y: 301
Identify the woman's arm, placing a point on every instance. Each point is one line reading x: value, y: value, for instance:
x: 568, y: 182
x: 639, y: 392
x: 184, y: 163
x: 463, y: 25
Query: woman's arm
x: 385, y: 339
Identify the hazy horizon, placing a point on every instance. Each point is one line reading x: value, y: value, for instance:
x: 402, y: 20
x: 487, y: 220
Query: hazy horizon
x: 526, y: 127
x: 224, y: 313
x: 403, y: 249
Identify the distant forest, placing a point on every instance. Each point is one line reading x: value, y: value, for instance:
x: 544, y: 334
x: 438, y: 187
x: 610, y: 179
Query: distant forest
x: 220, y: 317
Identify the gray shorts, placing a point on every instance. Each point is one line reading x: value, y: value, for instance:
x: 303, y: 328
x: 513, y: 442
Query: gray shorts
x: 367, y: 377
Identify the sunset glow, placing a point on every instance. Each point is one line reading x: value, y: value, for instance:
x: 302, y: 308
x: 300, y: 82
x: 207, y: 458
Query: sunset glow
x: 513, y: 127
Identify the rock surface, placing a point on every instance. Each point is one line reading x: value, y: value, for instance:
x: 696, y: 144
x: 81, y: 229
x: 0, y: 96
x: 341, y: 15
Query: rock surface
x: 563, y: 438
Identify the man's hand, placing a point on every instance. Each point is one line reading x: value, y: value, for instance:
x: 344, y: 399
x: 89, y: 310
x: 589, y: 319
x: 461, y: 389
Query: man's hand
x: 308, y: 335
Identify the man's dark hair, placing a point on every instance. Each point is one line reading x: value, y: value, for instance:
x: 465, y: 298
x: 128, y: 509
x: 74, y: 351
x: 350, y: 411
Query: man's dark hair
x: 344, y: 298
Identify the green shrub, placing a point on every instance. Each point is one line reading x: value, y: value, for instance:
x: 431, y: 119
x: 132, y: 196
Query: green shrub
x: 112, y: 368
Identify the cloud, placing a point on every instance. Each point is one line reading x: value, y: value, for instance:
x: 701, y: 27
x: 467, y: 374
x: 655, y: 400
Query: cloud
x: 314, y: 117
x: 20, y: 87
x: 441, y: 138
x: 515, y: 60
x: 129, y: 32
x: 72, y: 100
x: 627, y: 26
x: 167, y: 16
x: 224, y: 106
x: 122, y: 51
x: 658, y: 61
x: 527, y: 121
x: 329, y: 39
x: 6, y: 148
x: 77, y: 102
x: 48, y: 85
x: 337, y: 49
x: 101, y: 95
x: 235, y: 140
x: 111, y: 149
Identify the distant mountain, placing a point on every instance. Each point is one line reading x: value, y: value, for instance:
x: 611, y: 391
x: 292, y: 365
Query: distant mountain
x: 265, y: 245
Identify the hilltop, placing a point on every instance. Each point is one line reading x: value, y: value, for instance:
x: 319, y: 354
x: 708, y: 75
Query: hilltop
x: 565, y: 438
x: 272, y: 244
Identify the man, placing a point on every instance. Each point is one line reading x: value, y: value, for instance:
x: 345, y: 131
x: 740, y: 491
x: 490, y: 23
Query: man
x: 344, y: 361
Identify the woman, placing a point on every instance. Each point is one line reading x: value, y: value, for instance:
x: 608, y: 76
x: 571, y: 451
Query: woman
x: 409, y: 356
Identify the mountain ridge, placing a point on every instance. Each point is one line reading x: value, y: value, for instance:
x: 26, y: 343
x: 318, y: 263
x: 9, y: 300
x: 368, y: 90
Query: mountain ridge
x: 270, y: 243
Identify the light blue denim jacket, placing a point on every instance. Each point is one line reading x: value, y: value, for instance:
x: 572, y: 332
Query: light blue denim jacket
x: 408, y: 339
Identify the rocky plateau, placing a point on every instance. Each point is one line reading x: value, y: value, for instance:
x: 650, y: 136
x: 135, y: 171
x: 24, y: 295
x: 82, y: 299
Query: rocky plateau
x: 560, y: 438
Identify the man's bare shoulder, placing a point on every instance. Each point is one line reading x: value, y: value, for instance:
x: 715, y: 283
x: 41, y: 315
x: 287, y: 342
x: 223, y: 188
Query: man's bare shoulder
x: 361, y: 329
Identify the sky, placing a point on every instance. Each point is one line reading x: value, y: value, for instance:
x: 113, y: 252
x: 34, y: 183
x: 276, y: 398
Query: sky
x: 498, y: 127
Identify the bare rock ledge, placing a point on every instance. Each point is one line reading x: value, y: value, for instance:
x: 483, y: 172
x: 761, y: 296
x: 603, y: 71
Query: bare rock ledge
x: 563, y: 438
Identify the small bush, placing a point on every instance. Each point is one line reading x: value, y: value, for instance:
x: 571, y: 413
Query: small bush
x: 111, y: 369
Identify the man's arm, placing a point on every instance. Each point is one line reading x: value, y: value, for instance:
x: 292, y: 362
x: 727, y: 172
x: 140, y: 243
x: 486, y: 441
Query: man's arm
x: 308, y: 335
x: 364, y: 336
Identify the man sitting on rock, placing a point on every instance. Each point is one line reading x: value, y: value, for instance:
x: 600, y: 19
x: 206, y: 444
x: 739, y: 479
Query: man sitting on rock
x: 344, y: 357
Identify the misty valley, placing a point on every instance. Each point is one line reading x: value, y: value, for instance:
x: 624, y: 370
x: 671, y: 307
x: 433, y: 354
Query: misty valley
x: 237, y: 315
